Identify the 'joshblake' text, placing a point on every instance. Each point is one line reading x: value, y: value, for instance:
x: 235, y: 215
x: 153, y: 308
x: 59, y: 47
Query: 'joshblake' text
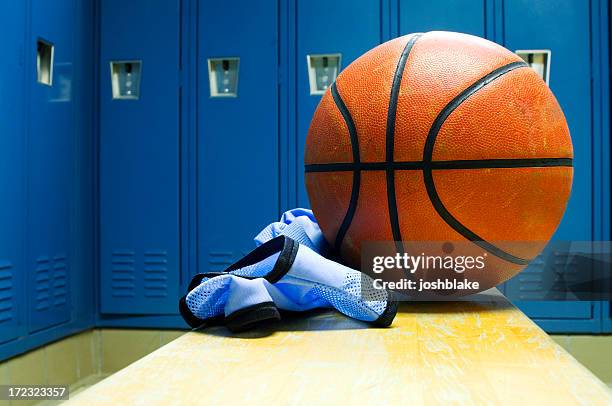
x: 421, y: 285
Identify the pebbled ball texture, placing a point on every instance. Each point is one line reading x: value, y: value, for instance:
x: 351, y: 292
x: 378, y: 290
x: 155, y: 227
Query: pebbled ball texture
x: 440, y: 137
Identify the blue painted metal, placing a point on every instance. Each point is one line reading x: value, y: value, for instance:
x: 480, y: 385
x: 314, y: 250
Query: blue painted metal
x: 497, y: 7
x: 238, y: 137
x: 600, y: 16
x: 319, y: 35
x: 176, y: 150
x: 287, y: 106
x: 47, y: 150
x: 606, y: 317
x: 50, y: 156
x: 139, y: 160
x: 39, y: 338
x: 388, y: 19
x: 83, y: 277
x: 12, y: 173
x: 466, y: 16
x: 166, y: 321
x: 490, y: 31
x: 482, y: 18
x: 564, y: 28
x: 189, y: 123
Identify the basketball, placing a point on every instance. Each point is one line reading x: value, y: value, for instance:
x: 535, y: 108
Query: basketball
x: 440, y: 136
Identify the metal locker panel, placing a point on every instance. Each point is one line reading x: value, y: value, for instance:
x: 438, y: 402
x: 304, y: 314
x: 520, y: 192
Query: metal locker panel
x: 83, y: 275
x: 238, y: 140
x: 12, y: 176
x: 354, y: 29
x: 563, y: 27
x: 607, y: 318
x: 139, y: 160
x: 466, y: 16
x: 50, y: 157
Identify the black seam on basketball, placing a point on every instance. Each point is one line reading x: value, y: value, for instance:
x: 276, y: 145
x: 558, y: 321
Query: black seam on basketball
x: 503, y: 163
x: 363, y: 166
x: 442, y: 165
x: 428, y: 169
x: 352, y: 207
x: 390, y: 142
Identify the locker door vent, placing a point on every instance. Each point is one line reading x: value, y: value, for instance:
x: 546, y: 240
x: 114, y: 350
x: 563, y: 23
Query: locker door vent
x: 60, y: 280
x: 42, y: 283
x: 50, y: 280
x: 530, y: 279
x: 547, y: 276
x: 122, y: 274
x: 219, y: 260
x: 6, y: 291
x: 156, y: 273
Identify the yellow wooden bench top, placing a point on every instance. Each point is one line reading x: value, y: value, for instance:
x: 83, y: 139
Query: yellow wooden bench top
x: 482, y: 351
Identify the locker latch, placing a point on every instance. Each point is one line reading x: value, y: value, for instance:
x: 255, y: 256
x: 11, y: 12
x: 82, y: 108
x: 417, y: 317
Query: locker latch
x: 125, y: 79
x: 44, y: 62
x: 322, y: 71
x: 538, y: 60
x: 223, y: 76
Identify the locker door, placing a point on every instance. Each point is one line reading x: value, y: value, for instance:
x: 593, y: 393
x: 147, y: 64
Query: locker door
x: 466, y: 16
x: 238, y: 162
x: 563, y: 27
x: 354, y: 29
x: 607, y: 318
x: 50, y: 158
x: 139, y: 157
x: 12, y: 179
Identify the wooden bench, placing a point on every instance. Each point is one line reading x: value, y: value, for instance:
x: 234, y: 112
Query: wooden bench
x: 481, y: 350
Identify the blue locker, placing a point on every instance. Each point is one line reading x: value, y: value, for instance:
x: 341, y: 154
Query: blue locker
x: 50, y: 157
x: 139, y: 159
x: 466, y: 16
x: 83, y: 275
x: 563, y: 27
x: 356, y: 28
x: 238, y: 138
x: 12, y: 140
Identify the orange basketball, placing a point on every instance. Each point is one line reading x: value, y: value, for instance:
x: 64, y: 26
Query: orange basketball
x: 440, y: 137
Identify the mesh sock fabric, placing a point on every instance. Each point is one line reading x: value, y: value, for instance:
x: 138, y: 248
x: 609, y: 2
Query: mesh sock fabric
x: 283, y: 274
